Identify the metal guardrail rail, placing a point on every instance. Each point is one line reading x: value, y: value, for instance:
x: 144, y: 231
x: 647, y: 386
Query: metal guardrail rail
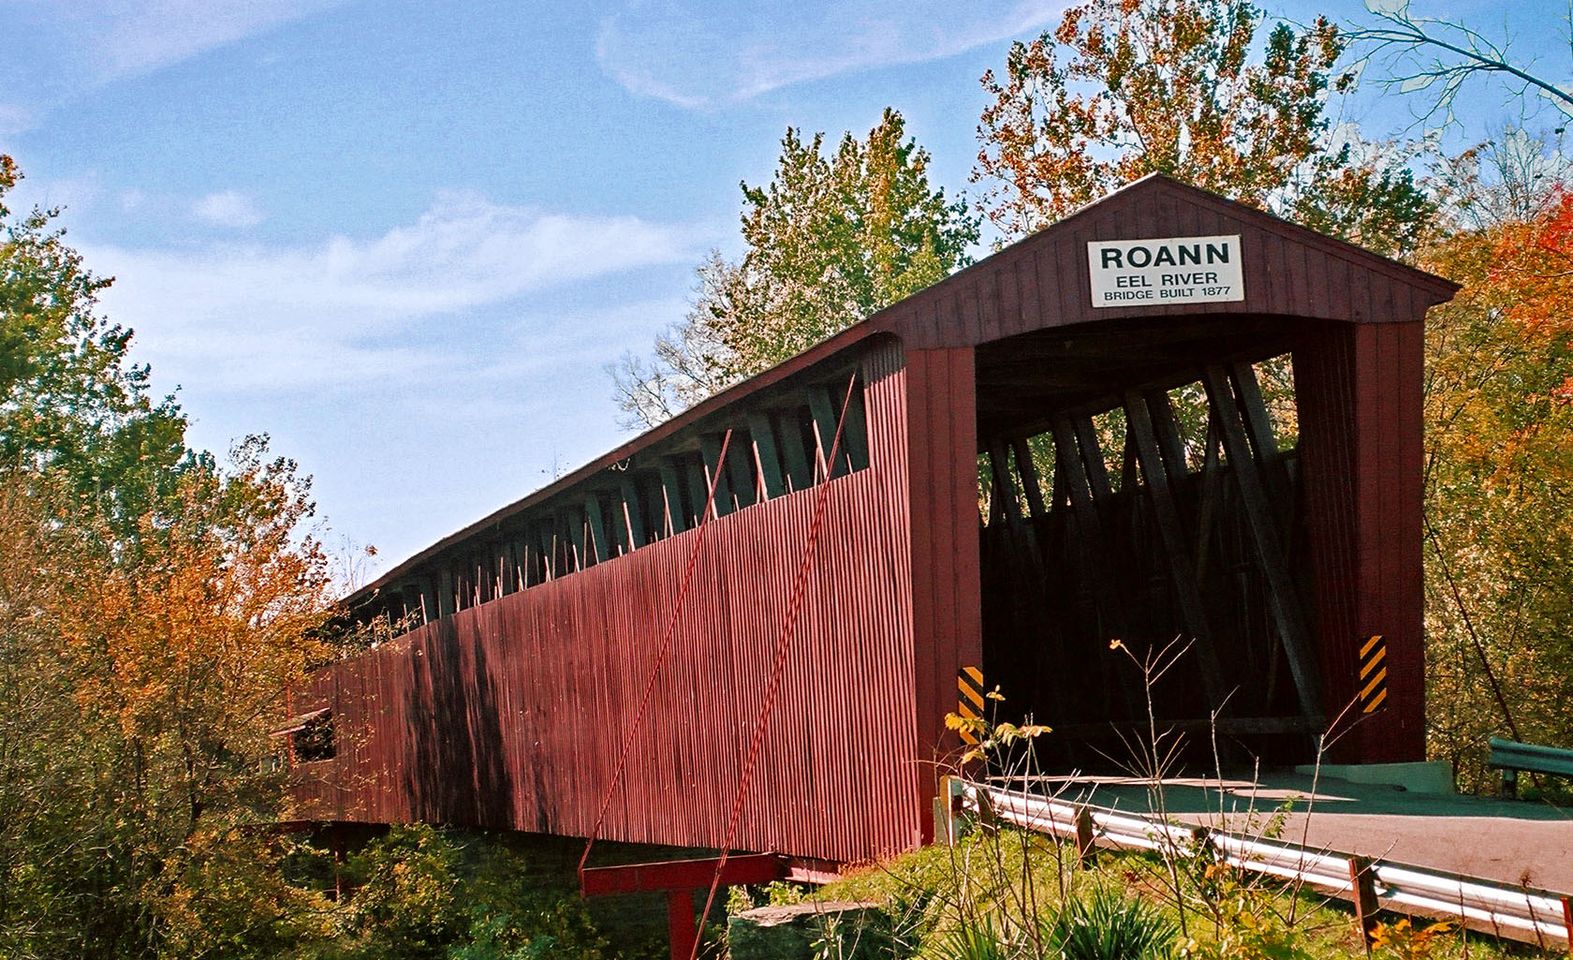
x: 1510, y: 757
x: 1519, y: 913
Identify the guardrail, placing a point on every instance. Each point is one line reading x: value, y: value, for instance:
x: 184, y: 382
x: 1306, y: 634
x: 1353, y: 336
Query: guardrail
x: 1510, y: 757
x: 1519, y: 913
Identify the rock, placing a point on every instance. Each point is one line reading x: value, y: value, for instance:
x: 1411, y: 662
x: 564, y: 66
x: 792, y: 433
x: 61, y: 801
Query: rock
x: 794, y: 931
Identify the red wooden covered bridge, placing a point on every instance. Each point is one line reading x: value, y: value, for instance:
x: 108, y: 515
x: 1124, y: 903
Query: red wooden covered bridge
x: 1168, y: 415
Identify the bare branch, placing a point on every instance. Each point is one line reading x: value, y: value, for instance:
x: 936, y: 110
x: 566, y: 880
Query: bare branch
x: 1420, y: 52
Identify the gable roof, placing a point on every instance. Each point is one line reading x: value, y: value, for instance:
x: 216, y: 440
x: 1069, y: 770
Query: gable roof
x: 1043, y: 281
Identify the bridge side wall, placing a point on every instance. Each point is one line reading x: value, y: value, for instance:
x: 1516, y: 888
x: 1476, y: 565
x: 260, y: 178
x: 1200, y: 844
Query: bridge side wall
x: 512, y: 714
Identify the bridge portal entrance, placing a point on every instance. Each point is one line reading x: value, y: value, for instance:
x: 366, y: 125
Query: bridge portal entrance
x: 1144, y: 541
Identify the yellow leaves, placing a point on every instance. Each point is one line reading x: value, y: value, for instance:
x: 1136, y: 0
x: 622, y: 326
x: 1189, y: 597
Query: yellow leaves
x: 172, y: 650
x: 1403, y: 941
x: 1499, y: 436
x: 989, y: 739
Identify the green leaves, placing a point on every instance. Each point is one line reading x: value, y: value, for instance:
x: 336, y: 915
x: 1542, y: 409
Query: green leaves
x: 1499, y: 511
x: 1107, y: 925
x: 70, y: 400
x: 832, y: 238
x: 154, y: 605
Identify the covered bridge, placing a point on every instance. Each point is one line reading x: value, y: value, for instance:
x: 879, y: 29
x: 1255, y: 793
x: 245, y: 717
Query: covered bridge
x: 1168, y: 415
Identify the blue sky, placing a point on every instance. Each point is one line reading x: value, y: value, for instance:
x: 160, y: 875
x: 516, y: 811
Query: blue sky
x: 405, y: 238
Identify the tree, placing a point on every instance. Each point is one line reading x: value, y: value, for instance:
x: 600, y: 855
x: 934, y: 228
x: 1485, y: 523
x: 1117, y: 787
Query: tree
x: 691, y: 361
x: 830, y: 240
x: 154, y: 604
x: 1499, y: 514
x: 1124, y: 88
x: 69, y: 399
x: 137, y: 685
x: 1513, y: 177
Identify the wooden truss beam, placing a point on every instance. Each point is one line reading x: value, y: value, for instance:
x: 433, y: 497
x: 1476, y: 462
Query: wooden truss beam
x: 1283, y: 601
x: 1193, y: 611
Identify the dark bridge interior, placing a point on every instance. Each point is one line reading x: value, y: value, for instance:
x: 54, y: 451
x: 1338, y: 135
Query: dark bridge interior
x: 1138, y: 483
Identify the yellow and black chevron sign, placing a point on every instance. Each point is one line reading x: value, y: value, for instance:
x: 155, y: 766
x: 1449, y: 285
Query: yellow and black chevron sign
x: 1373, y: 674
x: 969, y: 700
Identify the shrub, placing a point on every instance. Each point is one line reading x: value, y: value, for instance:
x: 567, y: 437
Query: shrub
x: 1107, y: 925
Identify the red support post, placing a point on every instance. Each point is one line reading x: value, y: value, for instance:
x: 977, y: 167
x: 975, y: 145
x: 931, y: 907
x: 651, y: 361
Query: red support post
x: 678, y: 879
x: 682, y: 928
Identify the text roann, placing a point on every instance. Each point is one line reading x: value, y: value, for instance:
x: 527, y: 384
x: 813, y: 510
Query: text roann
x: 1167, y: 255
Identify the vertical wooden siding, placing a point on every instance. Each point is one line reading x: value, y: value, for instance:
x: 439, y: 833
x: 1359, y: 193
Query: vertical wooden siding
x: 1360, y: 391
x: 946, y: 596
x: 511, y: 714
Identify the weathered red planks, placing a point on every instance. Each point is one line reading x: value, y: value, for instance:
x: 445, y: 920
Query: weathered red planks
x: 947, y: 625
x: 510, y: 714
x: 1290, y: 271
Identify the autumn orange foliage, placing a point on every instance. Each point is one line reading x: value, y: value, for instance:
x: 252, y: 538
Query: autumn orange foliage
x: 1499, y: 487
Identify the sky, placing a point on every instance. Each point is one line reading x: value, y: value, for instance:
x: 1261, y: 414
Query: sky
x: 405, y: 239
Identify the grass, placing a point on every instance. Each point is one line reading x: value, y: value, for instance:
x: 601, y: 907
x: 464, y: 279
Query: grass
x: 1010, y: 888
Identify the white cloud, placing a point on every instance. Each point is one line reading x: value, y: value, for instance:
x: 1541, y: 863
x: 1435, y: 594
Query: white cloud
x: 74, y: 46
x: 129, y: 37
x: 249, y: 318
x: 230, y: 208
x: 699, y: 55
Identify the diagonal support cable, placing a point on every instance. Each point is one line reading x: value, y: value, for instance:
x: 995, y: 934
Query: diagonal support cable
x: 661, y: 654
x: 778, y: 668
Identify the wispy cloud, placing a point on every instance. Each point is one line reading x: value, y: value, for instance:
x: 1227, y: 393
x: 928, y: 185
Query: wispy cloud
x: 135, y: 36
x: 64, y: 48
x: 698, y: 55
x: 229, y: 208
x: 14, y: 118
x: 249, y: 318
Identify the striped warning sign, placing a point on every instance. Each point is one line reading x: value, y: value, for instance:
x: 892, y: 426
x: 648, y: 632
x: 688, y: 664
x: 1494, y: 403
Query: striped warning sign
x: 1373, y: 674
x: 969, y: 700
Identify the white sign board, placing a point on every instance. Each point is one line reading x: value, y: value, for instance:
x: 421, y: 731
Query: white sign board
x: 1140, y: 273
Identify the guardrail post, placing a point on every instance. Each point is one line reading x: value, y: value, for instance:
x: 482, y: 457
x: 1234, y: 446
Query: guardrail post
x: 1086, y: 849
x: 1362, y: 882
x: 1567, y: 921
x: 948, y: 810
x: 985, y: 819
